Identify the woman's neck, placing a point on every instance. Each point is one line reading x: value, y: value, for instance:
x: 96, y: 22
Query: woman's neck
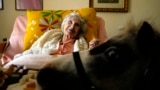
x: 66, y: 38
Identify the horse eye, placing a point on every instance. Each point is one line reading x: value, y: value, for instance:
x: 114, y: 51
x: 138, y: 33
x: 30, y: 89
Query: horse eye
x: 112, y: 53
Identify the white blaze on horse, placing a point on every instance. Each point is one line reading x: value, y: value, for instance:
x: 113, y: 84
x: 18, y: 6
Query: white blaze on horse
x: 128, y: 61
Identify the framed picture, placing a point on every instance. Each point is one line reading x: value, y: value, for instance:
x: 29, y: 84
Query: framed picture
x: 109, y: 5
x: 29, y: 4
x: 1, y: 4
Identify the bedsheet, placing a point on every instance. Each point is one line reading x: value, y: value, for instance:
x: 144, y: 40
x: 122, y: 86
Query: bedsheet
x: 27, y: 82
x: 20, y: 79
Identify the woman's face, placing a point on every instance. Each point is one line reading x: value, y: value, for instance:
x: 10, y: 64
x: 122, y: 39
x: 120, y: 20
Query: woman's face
x: 72, y: 27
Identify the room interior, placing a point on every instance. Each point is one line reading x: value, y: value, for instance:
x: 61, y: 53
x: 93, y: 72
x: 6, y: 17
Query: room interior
x: 114, y: 21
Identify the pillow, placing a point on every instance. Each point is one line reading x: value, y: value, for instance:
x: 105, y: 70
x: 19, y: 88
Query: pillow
x: 15, y: 40
x: 43, y: 20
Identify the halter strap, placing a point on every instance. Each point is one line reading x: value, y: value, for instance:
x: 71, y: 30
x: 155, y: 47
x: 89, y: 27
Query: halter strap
x: 81, y: 72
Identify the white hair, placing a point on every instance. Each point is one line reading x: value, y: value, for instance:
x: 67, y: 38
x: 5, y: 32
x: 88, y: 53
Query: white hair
x: 83, y: 25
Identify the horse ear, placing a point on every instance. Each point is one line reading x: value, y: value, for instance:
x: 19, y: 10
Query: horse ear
x: 145, y: 36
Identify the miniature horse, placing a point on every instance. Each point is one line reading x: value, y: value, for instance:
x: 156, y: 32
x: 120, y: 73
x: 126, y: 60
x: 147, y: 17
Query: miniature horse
x: 128, y: 61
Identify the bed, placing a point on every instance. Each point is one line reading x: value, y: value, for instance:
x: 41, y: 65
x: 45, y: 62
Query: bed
x: 27, y: 29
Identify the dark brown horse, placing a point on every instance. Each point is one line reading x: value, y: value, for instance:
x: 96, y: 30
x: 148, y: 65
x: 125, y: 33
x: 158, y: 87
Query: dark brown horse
x: 128, y: 61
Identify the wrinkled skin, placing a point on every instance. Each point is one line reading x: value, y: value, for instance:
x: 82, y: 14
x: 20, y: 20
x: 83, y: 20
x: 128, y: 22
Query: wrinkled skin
x: 128, y: 61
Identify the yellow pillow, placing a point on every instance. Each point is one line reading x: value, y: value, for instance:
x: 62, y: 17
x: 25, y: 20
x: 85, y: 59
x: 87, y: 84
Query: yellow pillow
x: 40, y: 21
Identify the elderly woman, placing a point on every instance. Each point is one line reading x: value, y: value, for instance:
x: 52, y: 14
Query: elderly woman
x: 59, y: 42
x: 73, y: 28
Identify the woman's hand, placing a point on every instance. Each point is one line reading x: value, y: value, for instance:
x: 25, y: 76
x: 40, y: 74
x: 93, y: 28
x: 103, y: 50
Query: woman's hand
x: 93, y: 43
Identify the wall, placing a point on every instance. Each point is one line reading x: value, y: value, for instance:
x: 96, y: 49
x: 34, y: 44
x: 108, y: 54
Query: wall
x: 114, y: 22
x: 7, y: 17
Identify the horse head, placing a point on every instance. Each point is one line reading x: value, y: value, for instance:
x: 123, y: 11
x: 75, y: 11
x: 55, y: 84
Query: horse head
x: 128, y: 61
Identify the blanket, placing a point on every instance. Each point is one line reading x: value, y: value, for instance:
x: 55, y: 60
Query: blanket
x: 26, y: 82
x: 48, y: 43
x: 39, y: 53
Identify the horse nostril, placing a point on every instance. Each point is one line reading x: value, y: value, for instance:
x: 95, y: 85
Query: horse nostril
x: 44, y: 77
x: 47, y: 77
